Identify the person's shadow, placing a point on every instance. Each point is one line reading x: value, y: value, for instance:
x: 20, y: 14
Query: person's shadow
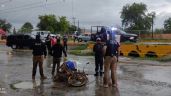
x: 101, y: 91
x: 38, y: 88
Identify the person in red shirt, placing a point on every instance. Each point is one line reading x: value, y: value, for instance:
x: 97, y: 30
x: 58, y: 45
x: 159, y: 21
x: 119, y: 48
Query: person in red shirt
x: 53, y: 41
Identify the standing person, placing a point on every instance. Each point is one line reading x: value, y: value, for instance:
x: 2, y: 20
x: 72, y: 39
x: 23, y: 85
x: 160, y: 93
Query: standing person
x: 112, y: 48
x: 39, y: 49
x: 65, y: 40
x: 75, y: 38
x: 57, y: 50
x: 53, y: 41
x: 98, y: 50
x: 48, y: 42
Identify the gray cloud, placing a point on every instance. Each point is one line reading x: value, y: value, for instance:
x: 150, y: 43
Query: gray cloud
x: 88, y: 12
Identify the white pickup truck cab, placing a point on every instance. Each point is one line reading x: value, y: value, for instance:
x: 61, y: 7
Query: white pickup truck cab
x: 43, y: 34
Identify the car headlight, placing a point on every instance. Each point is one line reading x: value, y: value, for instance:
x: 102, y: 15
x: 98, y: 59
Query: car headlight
x: 131, y: 38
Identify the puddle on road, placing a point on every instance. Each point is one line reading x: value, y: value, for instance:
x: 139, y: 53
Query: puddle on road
x: 158, y: 75
x: 26, y: 85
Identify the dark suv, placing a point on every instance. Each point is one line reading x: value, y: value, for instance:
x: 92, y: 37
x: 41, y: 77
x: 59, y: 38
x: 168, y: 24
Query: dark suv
x: 123, y: 35
x: 126, y: 36
x: 19, y: 41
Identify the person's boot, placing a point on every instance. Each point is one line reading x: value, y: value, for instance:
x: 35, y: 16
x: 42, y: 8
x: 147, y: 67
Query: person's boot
x: 33, y: 77
x: 96, y: 74
x: 101, y: 73
x: 43, y: 77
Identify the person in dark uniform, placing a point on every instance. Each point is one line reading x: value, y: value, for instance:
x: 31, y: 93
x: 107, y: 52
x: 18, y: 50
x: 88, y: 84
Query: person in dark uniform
x: 57, y: 50
x: 110, y: 63
x: 65, y: 40
x: 39, y: 53
x: 98, y: 50
x: 48, y: 42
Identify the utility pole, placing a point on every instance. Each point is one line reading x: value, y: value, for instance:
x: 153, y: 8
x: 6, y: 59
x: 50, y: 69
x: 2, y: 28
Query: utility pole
x: 73, y: 15
x: 78, y: 26
x: 73, y: 18
x: 152, y: 23
x: 152, y: 26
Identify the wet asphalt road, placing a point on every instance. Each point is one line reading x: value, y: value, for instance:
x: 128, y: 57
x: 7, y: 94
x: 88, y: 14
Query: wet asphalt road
x: 135, y: 77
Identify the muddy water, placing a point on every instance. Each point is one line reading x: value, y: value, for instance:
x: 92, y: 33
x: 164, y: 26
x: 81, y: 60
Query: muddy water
x: 134, y: 78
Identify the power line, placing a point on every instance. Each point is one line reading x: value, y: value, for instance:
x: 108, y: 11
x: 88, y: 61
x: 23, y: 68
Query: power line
x: 17, y: 9
x: 13, y: 8
x: 4, y: 2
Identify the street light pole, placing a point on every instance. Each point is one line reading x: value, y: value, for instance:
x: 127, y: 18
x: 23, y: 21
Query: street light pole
x: 152, y: 26
x: 153, y: 16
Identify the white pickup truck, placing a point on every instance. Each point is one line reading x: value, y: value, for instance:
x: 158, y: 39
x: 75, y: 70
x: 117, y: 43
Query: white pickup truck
x: 84, y: 37
x: 43, y: 34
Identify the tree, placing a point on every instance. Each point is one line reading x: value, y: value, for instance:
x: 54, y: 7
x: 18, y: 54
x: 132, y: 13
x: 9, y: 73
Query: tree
x: 64, y: 24
x: 5, y: 25
x: 48, y: 23
x: 27, y: 27
x: 159, y: 30
x: 51, y: 23
x: 134, y: 17
x: 71, y: 29
x: 167, y: 25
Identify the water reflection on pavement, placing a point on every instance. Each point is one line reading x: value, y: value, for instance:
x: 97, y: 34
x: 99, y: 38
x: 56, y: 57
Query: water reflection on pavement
x: 133, y: 79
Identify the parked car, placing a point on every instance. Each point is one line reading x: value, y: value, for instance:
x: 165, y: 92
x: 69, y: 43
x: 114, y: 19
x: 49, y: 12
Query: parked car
x: 16, y: 41
x: 126, y: 36
x: 84, y: 37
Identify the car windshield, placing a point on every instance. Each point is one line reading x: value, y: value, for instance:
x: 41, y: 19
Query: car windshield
x: 119, y: 32
x: 122, y: 32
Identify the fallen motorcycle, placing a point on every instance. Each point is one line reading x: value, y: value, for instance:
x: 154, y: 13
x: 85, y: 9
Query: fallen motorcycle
x: 71, y: 75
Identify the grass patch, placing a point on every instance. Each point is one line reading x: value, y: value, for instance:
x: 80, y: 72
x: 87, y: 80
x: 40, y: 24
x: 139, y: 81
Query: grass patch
x: 75, y: 52
x: 165, y: 58
x: 128, y: 42
x: 80, y: 47
x: 154, y: 40
x: 91, y: 42
x: 145, y: 58
x: 81, y: 52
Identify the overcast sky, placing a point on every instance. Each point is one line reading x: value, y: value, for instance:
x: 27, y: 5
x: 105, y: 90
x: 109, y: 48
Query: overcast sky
x: 88, y: 12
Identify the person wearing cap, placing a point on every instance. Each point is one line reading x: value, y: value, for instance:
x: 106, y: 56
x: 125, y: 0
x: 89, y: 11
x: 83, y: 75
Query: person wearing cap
x: 56, y: 52
x: 110, y: 62
x: 98, y: 50
x: 39, y: 52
